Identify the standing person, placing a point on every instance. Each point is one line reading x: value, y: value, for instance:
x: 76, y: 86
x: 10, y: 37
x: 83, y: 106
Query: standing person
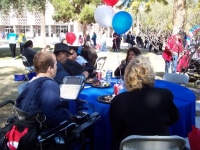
x: 116, y: 41
x: 103, y: 41
x: 143, y: 109
x: 21, y: 40
x: 62, y: 36
x: 12, y: 39
x: 130, y: 39
x: 175, y: 46
x: 29, y: 52
x: 94, y: 38
x: 87, y: 41
x: 80, y: 43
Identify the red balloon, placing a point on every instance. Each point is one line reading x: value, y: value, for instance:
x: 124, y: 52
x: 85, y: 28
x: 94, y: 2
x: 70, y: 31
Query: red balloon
x: 70, y: 37
x: 110, y: 2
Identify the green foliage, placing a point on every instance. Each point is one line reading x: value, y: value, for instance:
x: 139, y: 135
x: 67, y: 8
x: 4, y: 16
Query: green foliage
x: 19, y: 6
x: 87, y: 14
x: 159, y: 19
x: 81, y: 10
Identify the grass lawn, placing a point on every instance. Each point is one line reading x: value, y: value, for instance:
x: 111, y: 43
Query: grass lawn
x: 5, y: 52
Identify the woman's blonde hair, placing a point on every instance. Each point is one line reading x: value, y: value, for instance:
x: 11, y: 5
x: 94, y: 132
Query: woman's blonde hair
x: 138, y: 73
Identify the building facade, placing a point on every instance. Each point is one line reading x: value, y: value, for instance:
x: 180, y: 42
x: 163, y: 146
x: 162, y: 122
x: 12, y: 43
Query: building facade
x: 31, y: 23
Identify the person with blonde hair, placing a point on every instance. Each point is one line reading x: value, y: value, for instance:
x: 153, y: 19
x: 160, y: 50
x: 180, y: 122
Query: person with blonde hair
x: 143, y: 109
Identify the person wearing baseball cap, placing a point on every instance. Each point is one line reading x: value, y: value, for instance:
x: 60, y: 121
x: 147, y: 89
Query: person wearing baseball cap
x: 61, y: 51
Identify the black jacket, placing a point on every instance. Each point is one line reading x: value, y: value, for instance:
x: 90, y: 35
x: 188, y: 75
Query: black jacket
x: 149, y: 111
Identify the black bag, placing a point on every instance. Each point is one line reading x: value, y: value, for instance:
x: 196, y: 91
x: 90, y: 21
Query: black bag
x: 26, y: 142
x: 22, y: 134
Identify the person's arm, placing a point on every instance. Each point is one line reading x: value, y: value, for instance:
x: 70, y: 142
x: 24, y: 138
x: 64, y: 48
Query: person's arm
x: 61, y: 73
x: 120, y: 67
x: 52, y: 105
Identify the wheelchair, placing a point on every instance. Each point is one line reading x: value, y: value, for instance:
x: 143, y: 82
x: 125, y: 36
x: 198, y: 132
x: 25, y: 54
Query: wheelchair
x: 73, y: 134
x: 68, y: 135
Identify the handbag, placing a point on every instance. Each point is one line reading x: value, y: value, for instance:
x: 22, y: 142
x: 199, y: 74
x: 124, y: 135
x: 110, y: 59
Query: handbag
x: 194, y: 138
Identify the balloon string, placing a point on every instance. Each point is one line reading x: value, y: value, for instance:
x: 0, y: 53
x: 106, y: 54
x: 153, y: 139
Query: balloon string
x: 120, y: 73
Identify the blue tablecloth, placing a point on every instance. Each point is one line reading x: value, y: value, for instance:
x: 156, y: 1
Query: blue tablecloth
x: 184, y: 99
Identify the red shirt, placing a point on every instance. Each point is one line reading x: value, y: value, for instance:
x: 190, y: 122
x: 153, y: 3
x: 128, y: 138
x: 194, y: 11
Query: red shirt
x: 175, y: 44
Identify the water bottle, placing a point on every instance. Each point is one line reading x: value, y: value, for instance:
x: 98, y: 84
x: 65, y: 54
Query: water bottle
x: 108, y: 76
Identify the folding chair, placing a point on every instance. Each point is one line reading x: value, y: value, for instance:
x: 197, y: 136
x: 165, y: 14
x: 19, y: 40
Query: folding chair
x: 137, y: 142
x: 176, y: 78
x: 100, y: 62
x: 26, y: 64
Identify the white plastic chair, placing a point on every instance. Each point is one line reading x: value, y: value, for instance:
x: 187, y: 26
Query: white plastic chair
x: 137, y: 142
x: 100, y: 62
x: 176, y: 78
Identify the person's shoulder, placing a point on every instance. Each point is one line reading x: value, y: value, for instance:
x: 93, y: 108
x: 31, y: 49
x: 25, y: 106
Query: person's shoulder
x: 49, y: 83
x: 162, y: 91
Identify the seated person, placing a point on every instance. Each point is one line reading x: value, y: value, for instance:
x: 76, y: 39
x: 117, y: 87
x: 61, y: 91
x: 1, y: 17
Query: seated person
x: 131, y: 53
x: 47, y: 48
x: 143, y: 109
x: 47, y: 97
x: 89, y: 54
x: 74, y: 68
x: 61, y: 51
x: 29, y: 52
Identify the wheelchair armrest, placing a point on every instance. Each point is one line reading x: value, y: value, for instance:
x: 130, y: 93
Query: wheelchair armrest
x: 51, y: 131
x: 93, y: 118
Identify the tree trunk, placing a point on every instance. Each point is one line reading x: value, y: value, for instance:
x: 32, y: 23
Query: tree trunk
x: 138, y: 23
x: 179, y: 15
x: 84, y: 28
x: 43, y: 29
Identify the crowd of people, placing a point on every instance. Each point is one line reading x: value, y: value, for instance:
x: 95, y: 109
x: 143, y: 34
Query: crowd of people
x: 131, y: 112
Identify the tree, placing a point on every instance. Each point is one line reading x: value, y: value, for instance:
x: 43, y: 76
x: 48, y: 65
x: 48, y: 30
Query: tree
x: 137, y: 5
x: 19, y: 6
x: 80, y: 10
x: 156, y: 24
x: 179, y: 15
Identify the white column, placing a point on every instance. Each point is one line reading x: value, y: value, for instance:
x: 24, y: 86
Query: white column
x: 49, y: 31
x: 31, y: 28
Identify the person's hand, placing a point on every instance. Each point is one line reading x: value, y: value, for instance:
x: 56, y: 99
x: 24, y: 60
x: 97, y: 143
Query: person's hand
x: 85, y: 73
x: 123, y: 63
x: 83, y: 65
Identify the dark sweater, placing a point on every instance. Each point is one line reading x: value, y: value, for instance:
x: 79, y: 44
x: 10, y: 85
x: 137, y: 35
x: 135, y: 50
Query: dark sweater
x: 47, y: 100
x: 149, y: 111
x: 74, y: 68
x: 29, y: 54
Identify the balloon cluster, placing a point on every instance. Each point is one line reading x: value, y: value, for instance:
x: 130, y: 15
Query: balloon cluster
x: 105, y: 17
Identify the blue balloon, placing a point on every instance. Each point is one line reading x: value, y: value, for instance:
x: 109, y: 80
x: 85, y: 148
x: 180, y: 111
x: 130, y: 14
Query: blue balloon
x: 122, y: 22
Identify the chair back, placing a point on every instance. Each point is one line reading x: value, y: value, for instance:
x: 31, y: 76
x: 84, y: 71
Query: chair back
x: 176, y: 78
x: 100, y: 62
x: 21, y: 87
x: 26, y: 64
x: 137, y: 142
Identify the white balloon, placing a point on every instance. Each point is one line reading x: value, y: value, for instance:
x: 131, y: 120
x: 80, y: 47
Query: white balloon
x: 103, y: 15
